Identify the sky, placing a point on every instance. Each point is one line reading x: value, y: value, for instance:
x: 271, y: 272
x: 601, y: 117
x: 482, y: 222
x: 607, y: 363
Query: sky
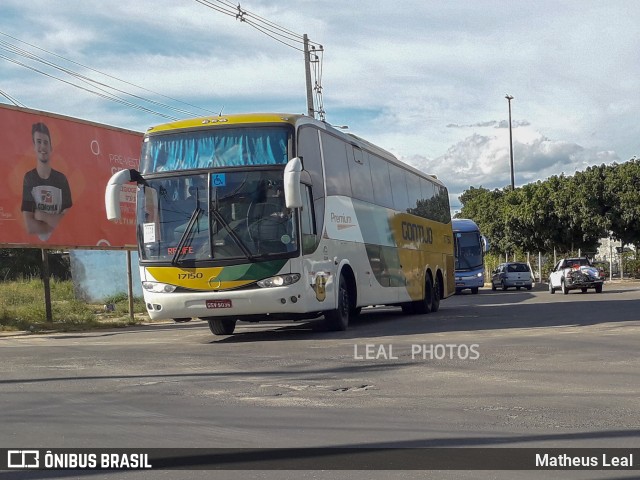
x: 423, y: 79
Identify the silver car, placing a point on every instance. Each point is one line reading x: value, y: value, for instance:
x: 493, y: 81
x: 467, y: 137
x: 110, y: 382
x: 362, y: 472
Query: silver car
x: 512, y: 274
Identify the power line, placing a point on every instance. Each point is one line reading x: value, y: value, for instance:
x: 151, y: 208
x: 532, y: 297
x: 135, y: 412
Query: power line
x: 274, y: 36
x: 264, y: 20
x: 256, y: 21
x: 103, y: 95
x: 97, y: 87
x: 284, y: 36
x: 105, y: 74
x: 227, y: 11
x: 11, y: 99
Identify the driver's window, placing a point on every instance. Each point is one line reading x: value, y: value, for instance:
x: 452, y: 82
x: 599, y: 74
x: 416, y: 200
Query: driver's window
x: 308, y: 225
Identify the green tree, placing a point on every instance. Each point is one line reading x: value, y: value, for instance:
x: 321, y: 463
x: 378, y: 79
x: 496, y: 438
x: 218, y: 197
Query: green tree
x: 566, y: 213
x: 485, y: 207
x: 621, y: 195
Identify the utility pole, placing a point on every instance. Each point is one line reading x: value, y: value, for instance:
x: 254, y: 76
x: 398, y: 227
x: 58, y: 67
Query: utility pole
x: 509, y: 98
x: 307, y: 72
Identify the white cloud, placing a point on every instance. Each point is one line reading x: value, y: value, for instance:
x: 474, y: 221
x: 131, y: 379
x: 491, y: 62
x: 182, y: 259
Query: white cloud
x: 484, y: 160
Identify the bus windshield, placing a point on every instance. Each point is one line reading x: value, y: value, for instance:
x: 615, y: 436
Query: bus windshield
x: 468, y: 250
x: 215, y: 217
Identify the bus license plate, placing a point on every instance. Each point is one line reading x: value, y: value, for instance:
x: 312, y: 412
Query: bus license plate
x: 219, y: 304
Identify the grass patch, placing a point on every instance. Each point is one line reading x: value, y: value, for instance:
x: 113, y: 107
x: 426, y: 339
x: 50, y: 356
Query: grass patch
x: 22, y: 307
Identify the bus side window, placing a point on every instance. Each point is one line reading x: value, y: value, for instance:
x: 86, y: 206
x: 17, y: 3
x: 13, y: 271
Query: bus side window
x: 360, y: 174
x: 399, y: 188
x: 414, y: 192
x: 336, y: 165
x: 380, y: 181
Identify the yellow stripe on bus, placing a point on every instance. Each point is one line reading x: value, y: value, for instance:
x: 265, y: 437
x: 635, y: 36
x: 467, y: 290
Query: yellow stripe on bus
x: 196, y: 278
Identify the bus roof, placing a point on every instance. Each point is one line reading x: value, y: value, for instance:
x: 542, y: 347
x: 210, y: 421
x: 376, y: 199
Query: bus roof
x: 213, y: 120
x: 464, y: 225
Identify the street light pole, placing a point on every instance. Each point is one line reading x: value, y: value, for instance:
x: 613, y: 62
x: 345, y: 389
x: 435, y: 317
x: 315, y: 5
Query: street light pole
x: 509, y: 98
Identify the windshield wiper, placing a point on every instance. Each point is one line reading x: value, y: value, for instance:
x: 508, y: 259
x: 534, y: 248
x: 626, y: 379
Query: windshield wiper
x: 219, y: 218
x: 186, y: 236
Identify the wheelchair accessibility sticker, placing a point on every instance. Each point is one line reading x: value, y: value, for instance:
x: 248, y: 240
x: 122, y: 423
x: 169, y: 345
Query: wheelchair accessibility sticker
x: 219, y: 180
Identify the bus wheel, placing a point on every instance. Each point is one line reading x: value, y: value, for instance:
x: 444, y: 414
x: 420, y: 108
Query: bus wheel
x: 221, y: 326
x: 427, y: 304
x: 338, y: 319
x: 435, y: 306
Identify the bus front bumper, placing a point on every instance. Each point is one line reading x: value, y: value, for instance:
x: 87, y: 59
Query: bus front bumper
x: 469, y: 281
x: 238, y: 303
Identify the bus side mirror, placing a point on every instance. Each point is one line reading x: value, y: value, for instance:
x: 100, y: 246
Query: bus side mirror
x: 112, y: 193
x: 292, y: 188
x: 485, y: 243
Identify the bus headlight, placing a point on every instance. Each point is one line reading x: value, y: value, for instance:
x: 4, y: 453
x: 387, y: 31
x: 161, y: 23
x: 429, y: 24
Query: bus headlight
x: 480, y: 274
x: 279, y: 280
x: 156, y: 287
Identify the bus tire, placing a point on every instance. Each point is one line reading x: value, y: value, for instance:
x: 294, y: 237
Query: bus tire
x: 426, y: 305
x: 435, y: 306
x: 221, y: 326
x: 338, y: 319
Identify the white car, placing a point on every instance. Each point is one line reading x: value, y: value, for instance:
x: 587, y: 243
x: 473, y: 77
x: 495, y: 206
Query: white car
x: 574, y: 274
x: 512, y: 274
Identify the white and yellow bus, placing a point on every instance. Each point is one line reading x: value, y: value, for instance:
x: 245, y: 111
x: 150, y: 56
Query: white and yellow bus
x: 261, y: 217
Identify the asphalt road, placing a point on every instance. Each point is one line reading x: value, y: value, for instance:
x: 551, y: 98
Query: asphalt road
x: 497, y: 369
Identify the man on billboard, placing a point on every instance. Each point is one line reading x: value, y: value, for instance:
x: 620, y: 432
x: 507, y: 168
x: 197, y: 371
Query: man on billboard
x: 46, y: 195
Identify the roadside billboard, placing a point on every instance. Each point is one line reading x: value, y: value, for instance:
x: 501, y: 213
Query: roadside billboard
x: 53, y: 171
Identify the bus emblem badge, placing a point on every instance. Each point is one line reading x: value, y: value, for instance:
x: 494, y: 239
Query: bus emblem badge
x: 320, y: 287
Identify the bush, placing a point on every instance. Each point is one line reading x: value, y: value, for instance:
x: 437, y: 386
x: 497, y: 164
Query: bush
x: 22, y: 307
x: 20, y: 263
